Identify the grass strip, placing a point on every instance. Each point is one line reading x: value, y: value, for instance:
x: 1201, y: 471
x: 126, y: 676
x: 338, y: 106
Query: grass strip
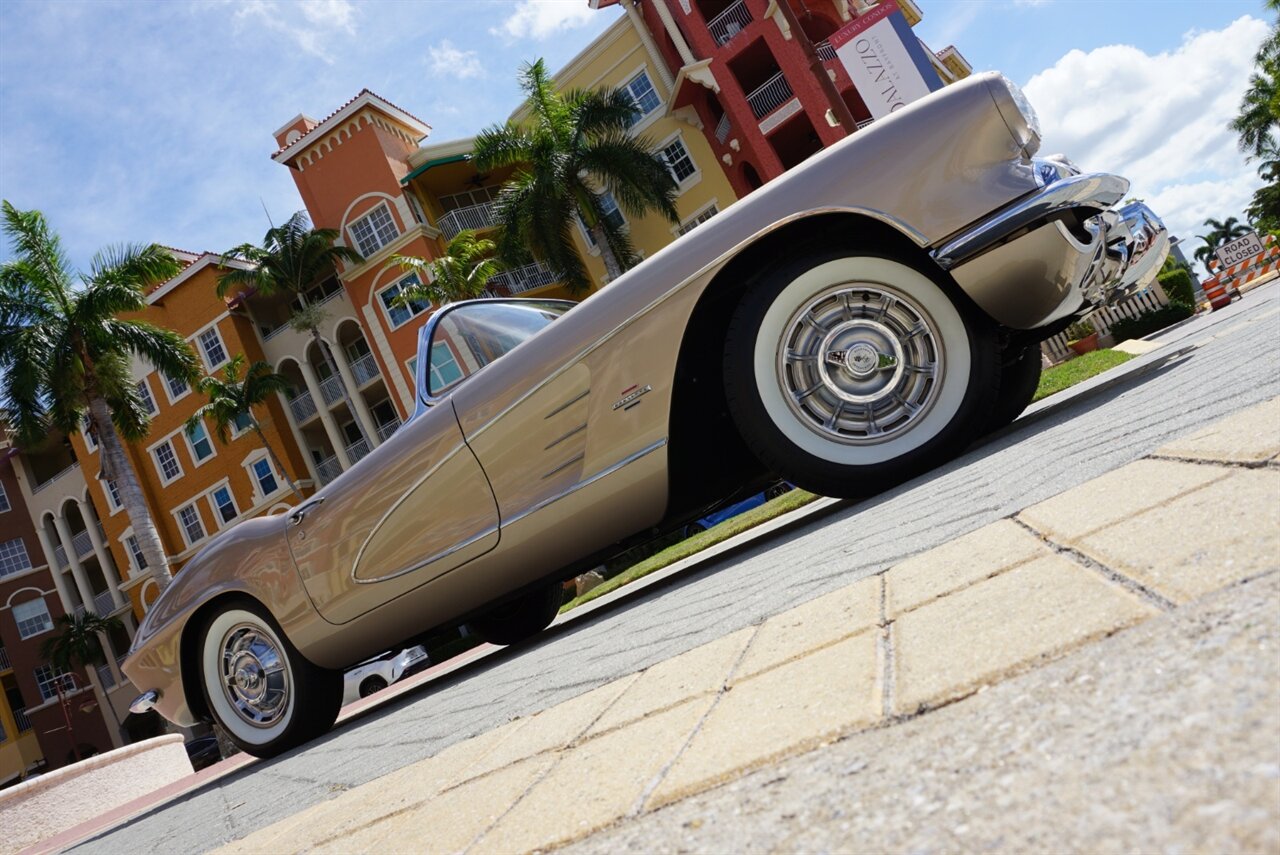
x: 723, y: 531
x: 1078, y: 370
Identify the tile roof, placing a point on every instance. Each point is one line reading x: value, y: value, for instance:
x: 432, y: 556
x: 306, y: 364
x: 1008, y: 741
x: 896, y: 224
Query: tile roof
x: 355, y: 98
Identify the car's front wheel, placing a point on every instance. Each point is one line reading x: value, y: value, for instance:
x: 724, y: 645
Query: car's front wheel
x: 1019, y: 379
x: 258, y: 687
x: 521, y: 617
x: 846, y: 373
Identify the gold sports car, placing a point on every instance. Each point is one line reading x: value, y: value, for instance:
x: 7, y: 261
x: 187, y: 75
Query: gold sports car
x: 845, y: 327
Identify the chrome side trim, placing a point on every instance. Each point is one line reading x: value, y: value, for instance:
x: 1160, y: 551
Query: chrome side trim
x: 579, y: 429
x: 444, y: 553
x: 569, y: 403
x: 565, y: 465
x: 632, y: 458
x: 1095, y: 190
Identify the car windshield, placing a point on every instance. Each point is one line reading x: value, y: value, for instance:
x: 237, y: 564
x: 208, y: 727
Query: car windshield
x: 471, y: 336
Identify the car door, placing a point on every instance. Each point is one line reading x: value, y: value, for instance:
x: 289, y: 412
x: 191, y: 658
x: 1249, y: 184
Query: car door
x: 415, y: 508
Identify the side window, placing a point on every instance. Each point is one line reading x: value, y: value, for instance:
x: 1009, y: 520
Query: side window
x: 469, y: 337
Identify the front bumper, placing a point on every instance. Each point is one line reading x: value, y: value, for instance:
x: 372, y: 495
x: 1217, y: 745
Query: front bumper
x: 1059, y: 252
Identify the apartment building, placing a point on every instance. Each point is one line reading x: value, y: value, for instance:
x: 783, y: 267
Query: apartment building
x: 738, y: 66
x: 37, y: 729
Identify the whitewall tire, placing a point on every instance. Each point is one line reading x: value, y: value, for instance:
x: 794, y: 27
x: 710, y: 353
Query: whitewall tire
x: 846, y: 373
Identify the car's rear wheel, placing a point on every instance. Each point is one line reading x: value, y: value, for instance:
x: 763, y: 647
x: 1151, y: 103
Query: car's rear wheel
x: 846, y: 373
x: 1019, y: 378
x: 371, y: 685
x: 521, y: 617
x: 258, y: 687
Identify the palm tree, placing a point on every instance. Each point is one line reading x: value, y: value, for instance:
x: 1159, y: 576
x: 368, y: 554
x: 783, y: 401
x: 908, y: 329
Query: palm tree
x: 65, y: 355
x: 1260, y: 107
x: 231, y: 402
x: 81, y: 644
x: 293, y: 257
x: 572, y: 144
x: 460, y: 274
x: 1220, y: 232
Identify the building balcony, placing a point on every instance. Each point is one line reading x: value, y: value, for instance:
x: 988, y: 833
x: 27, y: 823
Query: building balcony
x: 328, y: 469
x: 722, y: 129
x: 4, y: 660
x: 729, y: 23
x: 357, y: 450
x: 386, y: 429
x: 770, y: 95
x: 364, y: 369
x: 38, y: 487
x: 471, y: 217
x: 520, y: 279
x: 20, y: 718
x: 860, y: 125
x: 103, y: 605
x: 825, y: 51
x: 302, y: 406
x: 331, y: 389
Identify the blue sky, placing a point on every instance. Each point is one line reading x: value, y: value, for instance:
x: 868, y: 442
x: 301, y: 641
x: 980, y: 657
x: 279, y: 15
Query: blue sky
x: 141, y: 121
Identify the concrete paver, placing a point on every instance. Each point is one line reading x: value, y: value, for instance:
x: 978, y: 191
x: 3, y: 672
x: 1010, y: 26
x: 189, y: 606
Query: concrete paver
x: 990, y: 550
x: 817, y: 623
x: 1249, y: 436
x: 791, y: 708
x: 700, y: 671
x: 1128, y: 490
x: 1202, y: 541
x: 595, y: 783
x: 956, y: 644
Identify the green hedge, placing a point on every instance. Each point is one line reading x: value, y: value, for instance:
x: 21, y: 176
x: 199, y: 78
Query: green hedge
x: 1178, y: 285
x: 1146, y: 324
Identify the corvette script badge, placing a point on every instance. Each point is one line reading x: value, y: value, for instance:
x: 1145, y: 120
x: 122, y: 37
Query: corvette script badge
x: 631, y: 396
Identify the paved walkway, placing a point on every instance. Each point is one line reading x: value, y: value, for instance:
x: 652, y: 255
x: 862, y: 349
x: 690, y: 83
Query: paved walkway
x: 1200, y: 515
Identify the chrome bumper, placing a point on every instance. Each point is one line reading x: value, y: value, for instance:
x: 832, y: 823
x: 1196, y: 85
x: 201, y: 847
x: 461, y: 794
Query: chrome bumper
x: 1026, y: 268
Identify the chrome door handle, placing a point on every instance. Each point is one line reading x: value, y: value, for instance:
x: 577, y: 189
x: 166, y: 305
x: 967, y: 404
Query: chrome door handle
x: 298, y: 515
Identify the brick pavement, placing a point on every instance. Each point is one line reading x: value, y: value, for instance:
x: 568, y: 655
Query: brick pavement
x: 1199, y: 515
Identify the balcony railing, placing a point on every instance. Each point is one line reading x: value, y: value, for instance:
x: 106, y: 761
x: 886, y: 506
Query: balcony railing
x: 825, y: 50
x: 303, y: 407
x: 331, y: 388
x: 471, y: 217
x: 37, y: 488
x: 4, y: 660
x: 729, y: 23
x: 328, y: 469
x: 20, y: 718
x: 864, y: 123
x: 104, y: 674
x: 357, y: 449
x: 722, y: 129
x: 524, y: 278
x: 364, y: 369
x: 103, y: 603
x: 80, y: 540
x: 386, y: 429
x: 769, y: 96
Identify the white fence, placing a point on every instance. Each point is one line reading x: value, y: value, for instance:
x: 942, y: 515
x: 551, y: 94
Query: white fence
x: 1102, y: 319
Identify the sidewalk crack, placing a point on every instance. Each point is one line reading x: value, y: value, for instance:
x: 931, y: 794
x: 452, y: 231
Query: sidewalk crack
x: 1114, y: 576
x: 1217, y: 464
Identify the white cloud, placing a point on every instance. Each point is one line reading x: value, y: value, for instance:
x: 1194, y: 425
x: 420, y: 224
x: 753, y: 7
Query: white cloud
x: 1160, y: 120
x: 320, y: 21
x: 448, y: 60
x: 540, y: 19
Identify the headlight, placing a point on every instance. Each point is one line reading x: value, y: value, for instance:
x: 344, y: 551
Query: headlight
x: 1017, y: 112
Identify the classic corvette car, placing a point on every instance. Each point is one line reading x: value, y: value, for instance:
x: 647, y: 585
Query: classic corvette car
x: 847, y: 326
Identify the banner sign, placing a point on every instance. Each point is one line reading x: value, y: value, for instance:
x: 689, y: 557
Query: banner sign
x: 885, y: 60
x: 1239, y: 249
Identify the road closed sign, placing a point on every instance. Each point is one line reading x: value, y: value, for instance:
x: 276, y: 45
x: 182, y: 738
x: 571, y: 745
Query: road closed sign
x: 1240, y: 249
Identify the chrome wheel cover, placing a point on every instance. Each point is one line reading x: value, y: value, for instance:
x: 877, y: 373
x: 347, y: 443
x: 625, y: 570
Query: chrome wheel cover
x: 860, y: 364
x: 254, y: 675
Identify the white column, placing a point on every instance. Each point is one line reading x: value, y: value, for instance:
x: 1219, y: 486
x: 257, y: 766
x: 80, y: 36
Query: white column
x: 77, y: 569
x: 637, y: 21
x: 677, y: 37
x: 59, y: 581
x: 100, y: 549
x: 362, y: 409
x: 326, y: 417
x: 300, y: 438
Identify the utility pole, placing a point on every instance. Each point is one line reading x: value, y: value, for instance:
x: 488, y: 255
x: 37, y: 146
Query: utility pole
x: 839, y: 108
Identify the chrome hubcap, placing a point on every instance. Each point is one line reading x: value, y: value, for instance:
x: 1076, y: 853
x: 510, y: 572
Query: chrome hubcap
x: 255, y: 677
x: 860, y: 364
